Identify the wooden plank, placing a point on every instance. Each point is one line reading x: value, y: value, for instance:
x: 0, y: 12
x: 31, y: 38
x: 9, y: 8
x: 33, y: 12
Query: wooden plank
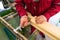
x: 48, y: 29
x: 8, y: 14
x: 18, y: 35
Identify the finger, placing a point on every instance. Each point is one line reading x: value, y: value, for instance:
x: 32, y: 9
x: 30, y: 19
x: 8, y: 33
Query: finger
x: 26, y: 23
x: 39, y: 20
x: 21, y: 23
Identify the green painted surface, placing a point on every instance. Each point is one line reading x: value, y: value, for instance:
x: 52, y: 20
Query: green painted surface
x: 3, y: 36
x: 10, y: 35
x: 5, y: 12
x: 15, y: 23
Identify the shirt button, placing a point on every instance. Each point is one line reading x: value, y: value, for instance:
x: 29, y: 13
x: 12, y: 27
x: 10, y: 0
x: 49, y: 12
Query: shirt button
x: 35, y: 8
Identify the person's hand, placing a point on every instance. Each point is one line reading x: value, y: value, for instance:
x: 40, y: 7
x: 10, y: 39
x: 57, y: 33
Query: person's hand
x: 40, y: 19
x: 24, y: 21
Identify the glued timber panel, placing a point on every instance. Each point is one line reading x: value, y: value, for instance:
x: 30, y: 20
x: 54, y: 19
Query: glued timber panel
x: 48, y: 29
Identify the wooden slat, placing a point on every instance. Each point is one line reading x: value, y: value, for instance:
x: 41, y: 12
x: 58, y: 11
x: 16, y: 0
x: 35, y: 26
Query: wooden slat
x: 8, y: 14
x: 48, y: 29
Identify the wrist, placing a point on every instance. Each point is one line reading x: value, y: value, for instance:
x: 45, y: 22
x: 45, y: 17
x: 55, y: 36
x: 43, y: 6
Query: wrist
x: 24, y: 16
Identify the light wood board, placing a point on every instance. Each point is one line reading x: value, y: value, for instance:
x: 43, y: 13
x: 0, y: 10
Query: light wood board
x: 51, y: 30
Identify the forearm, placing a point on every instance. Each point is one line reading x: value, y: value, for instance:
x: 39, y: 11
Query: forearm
x: 51, y: 12
x: 55, y: 8
x: 20, y: 8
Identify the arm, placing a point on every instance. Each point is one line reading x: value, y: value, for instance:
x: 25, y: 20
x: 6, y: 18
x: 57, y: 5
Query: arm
x: 53, y: 10
x: 20, y: 8
x: 50, y: 12
x: 21, y: 12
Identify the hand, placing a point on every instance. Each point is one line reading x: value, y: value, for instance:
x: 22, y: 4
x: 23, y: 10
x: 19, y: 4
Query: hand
x: 24, y: 21
x: 40, y: 19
